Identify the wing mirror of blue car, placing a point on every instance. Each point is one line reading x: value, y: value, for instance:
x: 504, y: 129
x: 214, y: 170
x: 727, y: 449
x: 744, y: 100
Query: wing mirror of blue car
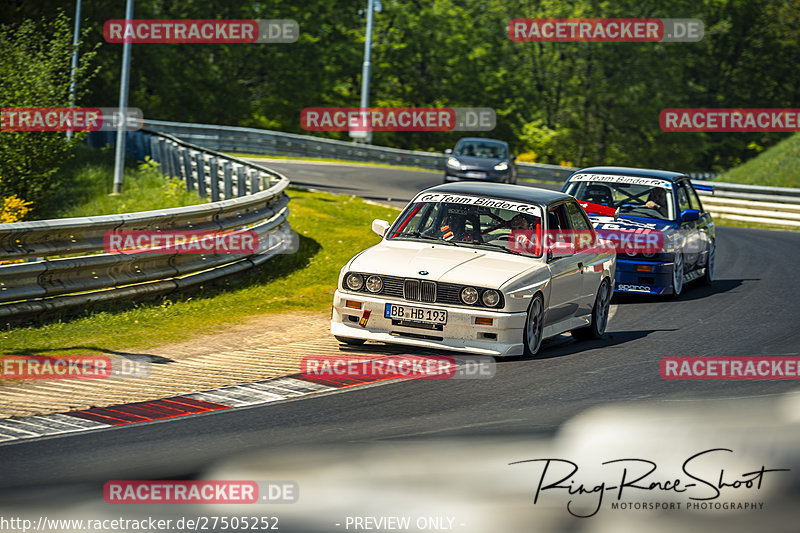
x: 513, y: 158
x: 690, y: 215
x: 448, y: 151
x: 380, y: 226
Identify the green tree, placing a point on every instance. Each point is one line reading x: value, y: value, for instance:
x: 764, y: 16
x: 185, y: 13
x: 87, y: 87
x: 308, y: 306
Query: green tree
x: 35, y: 72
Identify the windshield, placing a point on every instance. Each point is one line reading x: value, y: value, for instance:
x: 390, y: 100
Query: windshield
x: 481, y: 149
x: 481, y: 223
x: 649, y: 198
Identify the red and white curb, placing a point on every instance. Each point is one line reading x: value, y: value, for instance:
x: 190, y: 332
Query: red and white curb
x: 260, y: 392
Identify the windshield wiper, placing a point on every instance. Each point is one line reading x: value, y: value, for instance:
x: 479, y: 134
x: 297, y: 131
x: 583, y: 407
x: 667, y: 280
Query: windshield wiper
x: 493, y: 245
x: 419, y: 235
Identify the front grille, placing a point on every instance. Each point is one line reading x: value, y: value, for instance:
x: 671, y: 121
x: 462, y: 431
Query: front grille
x: 419, y: 291
x: 411, y: 290
x: 392, y: 287
x: 428, y: 291
x: 416, y: 290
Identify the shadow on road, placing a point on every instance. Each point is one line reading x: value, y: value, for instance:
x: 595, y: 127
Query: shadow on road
x: 690, y: 292
x: 92, y: 350
x: 563, y: 345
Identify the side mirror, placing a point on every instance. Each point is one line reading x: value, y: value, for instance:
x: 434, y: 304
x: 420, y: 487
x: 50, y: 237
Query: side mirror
x: 513, y: 158
x: 380, y: 226
x: 448, y: 151
x: 561, y: 249
x: 690, y: 215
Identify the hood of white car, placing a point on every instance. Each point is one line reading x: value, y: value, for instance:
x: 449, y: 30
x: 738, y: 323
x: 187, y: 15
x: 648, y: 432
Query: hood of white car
x: 441, y: 262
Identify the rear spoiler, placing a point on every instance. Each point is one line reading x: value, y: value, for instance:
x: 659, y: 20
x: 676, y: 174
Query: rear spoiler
x: 702, y: 187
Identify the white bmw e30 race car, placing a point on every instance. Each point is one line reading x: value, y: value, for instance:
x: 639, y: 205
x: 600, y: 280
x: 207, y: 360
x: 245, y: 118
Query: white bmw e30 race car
x: 467, y: 267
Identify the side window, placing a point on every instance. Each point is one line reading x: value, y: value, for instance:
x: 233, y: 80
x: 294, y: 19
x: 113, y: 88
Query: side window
x: 577, y: 218
x: 683, y: 198
x: 556, y: 219
x: 694, y: 200
x: 558, y: 226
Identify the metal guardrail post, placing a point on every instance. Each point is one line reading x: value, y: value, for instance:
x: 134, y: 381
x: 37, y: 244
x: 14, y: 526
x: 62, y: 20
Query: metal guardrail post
x: 176, y: 163
x: 162, y: 159
x: 167, y: 164
x: 227, y: 180
x: 214, y: 175
x: 187, y: 169
x: 154, y: 149
x: 200, y: 161
x: 254, y: 185
x: 241, y: 182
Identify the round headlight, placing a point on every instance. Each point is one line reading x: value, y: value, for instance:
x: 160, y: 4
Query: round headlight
x: 490, y: 298
x: 374, y: 284
x: 649, y: 254
x: 354, y: 281
x: 453, y: 162
x: 469, y: 295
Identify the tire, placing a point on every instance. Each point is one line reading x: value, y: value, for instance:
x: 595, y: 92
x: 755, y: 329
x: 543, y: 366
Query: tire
x: 349, y: 340
x: 602, y: 303
x: 708, y: 277
x: 677, y: 275
x: 534, y: 324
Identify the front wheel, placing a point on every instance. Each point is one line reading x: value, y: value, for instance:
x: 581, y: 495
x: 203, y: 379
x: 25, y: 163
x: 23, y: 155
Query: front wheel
x: 708, y: 277
x: 349, y: 340
x: 534, y: 323
x: 602, y: 304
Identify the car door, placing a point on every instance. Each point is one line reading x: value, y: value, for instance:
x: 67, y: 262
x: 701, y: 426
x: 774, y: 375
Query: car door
x: 565, y: 273
x: 694, y: 244
x: 705, y: 225
x: 590, y: 262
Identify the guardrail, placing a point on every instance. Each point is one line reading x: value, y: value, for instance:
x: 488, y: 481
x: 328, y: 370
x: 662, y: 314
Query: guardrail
x: 256, y: 141
x: 66, y: 266
x: 266, y: 142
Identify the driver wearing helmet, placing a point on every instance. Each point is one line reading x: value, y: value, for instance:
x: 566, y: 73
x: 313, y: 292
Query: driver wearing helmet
x: 657, y: 199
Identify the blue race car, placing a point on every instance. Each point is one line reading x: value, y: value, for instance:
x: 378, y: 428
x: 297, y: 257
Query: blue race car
x: 633, y: 200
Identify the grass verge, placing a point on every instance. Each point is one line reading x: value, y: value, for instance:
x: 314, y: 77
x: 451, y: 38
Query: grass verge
x: 331, y: 228
x: 722, y: 221
x: 90, y: 175
x: 778, y: 166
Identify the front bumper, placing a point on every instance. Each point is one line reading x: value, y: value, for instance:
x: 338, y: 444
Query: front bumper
x: 656, y: 281
x: 451, y: 174
x: 502, y: 338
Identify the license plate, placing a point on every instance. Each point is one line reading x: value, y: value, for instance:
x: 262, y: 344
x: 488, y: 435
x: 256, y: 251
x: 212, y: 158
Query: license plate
x: 415, y: 314
x: 476, y: 174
